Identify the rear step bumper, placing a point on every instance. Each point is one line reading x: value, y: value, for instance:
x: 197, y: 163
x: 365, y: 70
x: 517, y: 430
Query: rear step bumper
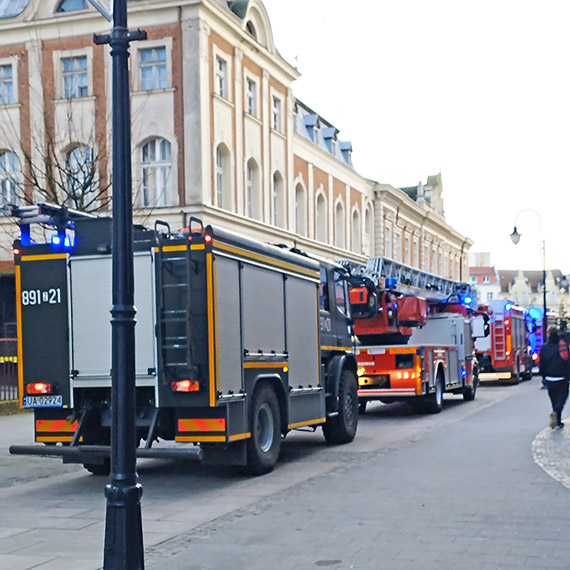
x: 98, y: 453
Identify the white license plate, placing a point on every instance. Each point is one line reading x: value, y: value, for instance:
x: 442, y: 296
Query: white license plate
x: 43, y: 401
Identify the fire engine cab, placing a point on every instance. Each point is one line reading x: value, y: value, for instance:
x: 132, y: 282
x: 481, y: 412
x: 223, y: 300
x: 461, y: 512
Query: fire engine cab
x: 415, y: 335
x: 504, y: 355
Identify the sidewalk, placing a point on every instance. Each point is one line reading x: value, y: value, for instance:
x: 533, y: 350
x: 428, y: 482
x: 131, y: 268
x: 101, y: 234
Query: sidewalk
x: 465, y: 498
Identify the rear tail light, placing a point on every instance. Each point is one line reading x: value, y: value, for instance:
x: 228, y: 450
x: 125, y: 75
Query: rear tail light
x: 185, y: 386
x: 39, y: 388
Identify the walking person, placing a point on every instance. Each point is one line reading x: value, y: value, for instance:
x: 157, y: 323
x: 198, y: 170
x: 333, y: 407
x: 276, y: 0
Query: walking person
x: 555, y: 372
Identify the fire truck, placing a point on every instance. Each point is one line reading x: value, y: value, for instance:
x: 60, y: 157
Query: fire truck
x: 237, y: 342
x: 416, y: 335
x: 504, y: 355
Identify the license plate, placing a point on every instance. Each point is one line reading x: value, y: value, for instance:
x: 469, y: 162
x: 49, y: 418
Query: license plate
x: 43, y: 401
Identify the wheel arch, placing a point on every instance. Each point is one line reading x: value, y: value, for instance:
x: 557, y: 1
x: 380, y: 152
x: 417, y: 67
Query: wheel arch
x: 275, y: 382
x: 334, y: 367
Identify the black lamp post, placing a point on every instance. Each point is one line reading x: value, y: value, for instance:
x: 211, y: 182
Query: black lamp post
x: 515, y: 238
x: 123, y: 522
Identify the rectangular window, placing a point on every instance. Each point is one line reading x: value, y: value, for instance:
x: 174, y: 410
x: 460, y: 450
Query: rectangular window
x: 6, y: 85
x: 416, y: 261
x: 75, y: 80
x: 153, y: 69
x: 388, y: 243
x: 251, y: 98
x: 407, y: 251
x: 398, y: 247
x: 486, y: 279
x: 221, y: 77
x: 277, y: 114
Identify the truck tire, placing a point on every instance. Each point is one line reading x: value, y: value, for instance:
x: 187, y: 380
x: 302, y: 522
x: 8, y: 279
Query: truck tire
x: 433, y: 404
x: 99, y: 468
x: 342, y: 427
x: 264, y: 445
x: 470, y: 391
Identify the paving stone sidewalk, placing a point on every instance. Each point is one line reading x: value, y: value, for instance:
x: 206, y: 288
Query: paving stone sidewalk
x: 467, y: 497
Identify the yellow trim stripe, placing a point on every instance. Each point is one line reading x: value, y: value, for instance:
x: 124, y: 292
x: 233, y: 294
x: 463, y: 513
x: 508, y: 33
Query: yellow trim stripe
x: 211, y: 350
x: 345, y: 348
x: 199, y: 438
x: 264, y: 364
x: 240, y: 436
x: 265, y: 259
x: 196, y: 246
x: 307, y: 423
x: 20, y: 347
x: 54, y: 438
x: 44, y: 257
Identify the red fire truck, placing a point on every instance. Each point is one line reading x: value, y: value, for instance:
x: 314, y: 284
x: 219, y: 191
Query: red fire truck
x: 415, y: 334
x: 504, y: 355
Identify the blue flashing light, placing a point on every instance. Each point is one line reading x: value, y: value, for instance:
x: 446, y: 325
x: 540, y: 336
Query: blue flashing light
x: 391, y: 283
x: 508, y: 307
x: 463, y: 372
x: 468, y: 300
x: 56, y: 241
x: 535, y: 313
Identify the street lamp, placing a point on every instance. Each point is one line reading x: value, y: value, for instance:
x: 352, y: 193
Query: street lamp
x: 515, y: 238
x: 123, y: 522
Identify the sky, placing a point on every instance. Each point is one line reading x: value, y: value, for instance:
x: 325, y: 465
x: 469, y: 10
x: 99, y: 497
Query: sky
x: 479, y: 91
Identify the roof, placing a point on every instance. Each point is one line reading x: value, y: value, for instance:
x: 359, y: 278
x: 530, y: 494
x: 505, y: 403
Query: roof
x: 482, y: 270
x: 533, y: 278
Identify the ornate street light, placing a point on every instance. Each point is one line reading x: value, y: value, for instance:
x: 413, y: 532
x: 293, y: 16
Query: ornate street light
x: 123, y: 522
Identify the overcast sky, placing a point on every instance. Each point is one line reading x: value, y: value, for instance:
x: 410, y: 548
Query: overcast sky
x: 479, y: 91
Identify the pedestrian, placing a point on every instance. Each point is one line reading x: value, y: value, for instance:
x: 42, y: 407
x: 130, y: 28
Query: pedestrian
x: 555, y: 372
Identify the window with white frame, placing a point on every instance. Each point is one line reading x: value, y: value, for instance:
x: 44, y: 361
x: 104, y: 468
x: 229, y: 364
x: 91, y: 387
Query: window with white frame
x: 251, y: 97
x: 156, y: 161
x: 220, y: 177
x: 154, y: 73
x: 6, y: 85
x: 388, y: 242
x: 278, y: 200
x: 277, y: 114
x: 415, y: 255
x: 71, y: 5
x: 486, y: 279
x: 356, y: 229
x: 339, y: 225
x: 221, y: 77
x: 9, y: 168
x: 223, y: 186
x: 252, y: 190
x: 407, y: 250
x: 300, y: 211
x: 80, y: 176
x: 321, y: 219
x: 75, y: 78
x: 398, y: 247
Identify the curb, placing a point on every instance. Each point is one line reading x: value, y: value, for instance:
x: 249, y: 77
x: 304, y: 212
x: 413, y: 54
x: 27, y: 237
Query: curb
x: 10, y: 407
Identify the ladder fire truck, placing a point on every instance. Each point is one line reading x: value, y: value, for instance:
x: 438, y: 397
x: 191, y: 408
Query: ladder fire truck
x: 504, y: 355
x: 237, y: 342
x: 415, y: 333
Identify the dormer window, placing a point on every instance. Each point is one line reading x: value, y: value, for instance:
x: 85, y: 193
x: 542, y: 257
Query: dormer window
x: 251, y: 30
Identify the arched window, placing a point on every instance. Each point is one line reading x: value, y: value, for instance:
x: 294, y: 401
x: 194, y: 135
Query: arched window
x: 253, y: 204
x: 339, y: 225
x: 367, y: 231
x: 300, y: 211
x: 321, y: 218
x: 9, y: 168
x: 356, y: 230
x: 279, y: 216
x: 223, y: 184
x: 157, y: 173
x: 80, y: 173
x: 71, y: 5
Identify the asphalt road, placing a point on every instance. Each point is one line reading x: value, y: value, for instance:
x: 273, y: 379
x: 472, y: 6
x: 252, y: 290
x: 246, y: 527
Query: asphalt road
x: 360, y: 505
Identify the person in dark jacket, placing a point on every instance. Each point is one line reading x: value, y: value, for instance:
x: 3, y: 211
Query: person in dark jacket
x: 554, y: 370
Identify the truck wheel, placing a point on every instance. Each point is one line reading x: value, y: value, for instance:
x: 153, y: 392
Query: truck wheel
x: 265, y: 442
x: 469, y: 393
x: 433, y: 404
x: 342, y: 427
x: 99, y: 468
